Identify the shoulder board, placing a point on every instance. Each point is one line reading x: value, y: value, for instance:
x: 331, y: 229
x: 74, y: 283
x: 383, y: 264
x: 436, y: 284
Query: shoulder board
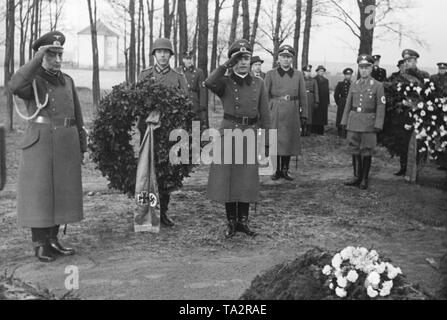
x: 372, y: 82
x: 357, y: 82
x: 66, y: 75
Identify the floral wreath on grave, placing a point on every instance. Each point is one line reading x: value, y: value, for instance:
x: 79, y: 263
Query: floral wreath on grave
x: 111, y: 137
x: 421, y: 109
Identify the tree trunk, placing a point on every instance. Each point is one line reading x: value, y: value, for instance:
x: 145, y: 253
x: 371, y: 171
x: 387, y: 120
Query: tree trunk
x: 234, y: 22
x: 276, y: 39
x: 245, y: 20
x: 202, y: 56
x: 255, y: 24
x: 24, y: 23
x: 143, y: 35
x: 167, y: 20
x: 9, y: 59
x: 132, y: 53
x: 194, y: 41
x: 218, y: 6
x: 94, y: 37
x: 183, y: 26
x: 307, y: 27
x: 150, y: 13
x: 138, y: 61
x: 296, y: 36
x: 366, y: 27
x: 175, y: 41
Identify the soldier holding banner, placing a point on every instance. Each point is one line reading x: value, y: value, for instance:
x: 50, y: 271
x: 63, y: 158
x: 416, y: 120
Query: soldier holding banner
x: 162, y: 73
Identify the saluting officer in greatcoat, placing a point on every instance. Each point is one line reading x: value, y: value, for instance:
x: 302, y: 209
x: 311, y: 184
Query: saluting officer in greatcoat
x: 245, y: 104
x: 49, y: 192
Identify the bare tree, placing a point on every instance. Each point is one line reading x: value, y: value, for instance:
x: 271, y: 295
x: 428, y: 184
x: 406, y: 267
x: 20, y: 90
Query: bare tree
x: 183, y: 26
x: 9, y: 58
x: 296, y: 36
x: 375, y: 19
x: 202, y: 54
x: 255, y: 24
x: 94, y: 38
x: 55, y: 11
x: 306, y: 36
x: 245, y: 20
x: 24, y: 24
x: 143, y: 35
x: 217, y: 8
x: 132, y: 49
x: 234, y: 19
x: 277, y: 31
x: 150, y: 13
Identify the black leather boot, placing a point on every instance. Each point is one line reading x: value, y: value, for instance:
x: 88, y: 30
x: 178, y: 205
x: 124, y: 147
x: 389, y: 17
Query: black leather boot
x: 403, y: 167
x: 366, y: 166
x: 278, y: 174
x: 43, y: 252
x: 55, y: 245
x: 42, y: 249
x: 285, y: 169
x: 230, y: 208
x: 242, y: 223
x: 164, y: 219
x: 357, y: 165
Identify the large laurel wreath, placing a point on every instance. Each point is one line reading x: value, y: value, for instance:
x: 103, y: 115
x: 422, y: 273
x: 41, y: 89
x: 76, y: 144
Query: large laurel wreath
x: 111, y: 136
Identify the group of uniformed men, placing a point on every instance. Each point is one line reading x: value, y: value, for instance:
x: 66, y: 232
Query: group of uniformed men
x: 285, y: 99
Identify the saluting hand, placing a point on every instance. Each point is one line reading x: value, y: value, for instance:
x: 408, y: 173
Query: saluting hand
x: 233, y: 60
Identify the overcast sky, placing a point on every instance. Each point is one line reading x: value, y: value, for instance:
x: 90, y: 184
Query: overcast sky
x: 329, y: 42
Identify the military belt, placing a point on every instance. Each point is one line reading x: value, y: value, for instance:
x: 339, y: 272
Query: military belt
x: 241, y: 120
x: 286, y: 97
x: 363, y: 110
x: 58, y: 122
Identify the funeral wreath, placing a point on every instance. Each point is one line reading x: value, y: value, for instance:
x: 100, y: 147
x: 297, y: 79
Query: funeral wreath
x: 114, y: 140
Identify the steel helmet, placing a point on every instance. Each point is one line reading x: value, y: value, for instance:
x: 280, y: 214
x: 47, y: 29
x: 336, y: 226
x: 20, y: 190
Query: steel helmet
x: 162, y: 43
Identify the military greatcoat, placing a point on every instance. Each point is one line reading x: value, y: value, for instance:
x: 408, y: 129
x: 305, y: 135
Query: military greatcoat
x: 241, y: 97
x: 313, y: 97
x: 287, y: 94
x: 341, y: 94
x: 49, y: 185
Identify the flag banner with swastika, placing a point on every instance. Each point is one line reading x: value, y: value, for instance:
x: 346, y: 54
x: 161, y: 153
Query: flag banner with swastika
x: 147, y: 216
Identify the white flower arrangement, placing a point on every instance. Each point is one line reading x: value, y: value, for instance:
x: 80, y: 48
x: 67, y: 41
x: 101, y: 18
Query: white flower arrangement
x: 427, y: 116
x: 357, y: 267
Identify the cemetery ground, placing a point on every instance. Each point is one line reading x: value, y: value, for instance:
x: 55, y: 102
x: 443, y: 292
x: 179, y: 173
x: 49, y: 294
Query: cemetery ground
x: 194, y: 261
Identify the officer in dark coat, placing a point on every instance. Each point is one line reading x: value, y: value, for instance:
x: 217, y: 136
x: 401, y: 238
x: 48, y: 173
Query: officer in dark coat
x: 440, y: 81
x: 398, y: 74
x: 378, y: 73
x: 340, y: 96
x: 256, y: 67
x: 196, y: 87
x: 49, y: 191
x: 363, y: 117
x: 245, y: 104
x: 162, y: 73
x: 320, y: 114
x: 288, y: 108
x: 313, y: 99
x: 416, y: 76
